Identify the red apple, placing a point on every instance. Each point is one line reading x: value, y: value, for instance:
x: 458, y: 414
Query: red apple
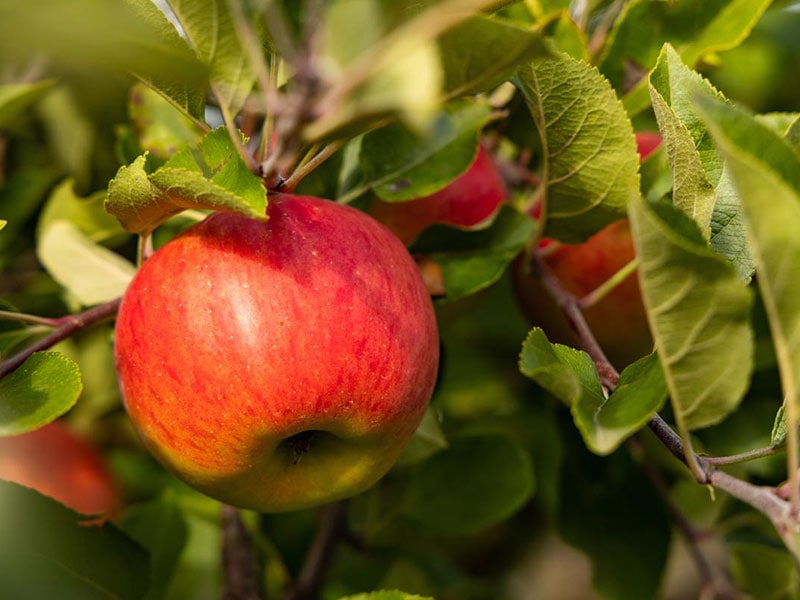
x: 58, y: 463
x: 278, y: 365
x: 468, y: 202
x: 618, y: 320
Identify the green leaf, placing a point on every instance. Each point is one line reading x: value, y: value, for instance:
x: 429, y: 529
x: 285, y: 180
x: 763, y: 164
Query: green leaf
x: 590, y: 165
x: 51, y: 554
x: 694, y: 28
x: 568, y: 374
x: 640, y: 394
x: 482, y: 52
x: 569, y: 38
x: 473, y: 260
x: 766, y: 172
x: 778, y: 435
x: 542, y: 8
x: 698, y: 309
x: 500, y: 482
x: 43, y: 388
x: 212, y: 34
x: 763, y: 570
x: 386, y: 595
x: 428, y: 439
x: 702, y: 186
x: 160, y: 127
x: 400, y: 164
x: 211, y: 176
x: 160, y: 527
x: 15, y: 98
x: 92, y: 273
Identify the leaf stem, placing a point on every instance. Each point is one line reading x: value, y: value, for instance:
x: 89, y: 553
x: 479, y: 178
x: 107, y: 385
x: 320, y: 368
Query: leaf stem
x: 608, y: 285
x: 7, y: 315
x: 741, y: 457
x: 66, y: 326
x: 332, y: 528
x: 302, y: 171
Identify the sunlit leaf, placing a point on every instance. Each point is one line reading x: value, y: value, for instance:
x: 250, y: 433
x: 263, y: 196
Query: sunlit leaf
x: 590, y: 165
x: 43, y: 388
x: 698, y: 309
x: 212, y: 176
x: 92, y: 273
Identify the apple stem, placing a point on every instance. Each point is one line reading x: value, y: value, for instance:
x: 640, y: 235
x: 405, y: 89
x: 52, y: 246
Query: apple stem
x: 332, y: 528
x: 240, y: 570
x: 65, y: 327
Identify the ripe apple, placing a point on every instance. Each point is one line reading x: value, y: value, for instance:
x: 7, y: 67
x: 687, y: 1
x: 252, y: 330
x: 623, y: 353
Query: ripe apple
x: 56, y: 462
x: 278, y: 365
x: 468, y: 201
x: 618, y: 320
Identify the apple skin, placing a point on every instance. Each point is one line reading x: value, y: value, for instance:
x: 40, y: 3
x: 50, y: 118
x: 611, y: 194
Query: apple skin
x: 278, y: 365
x: 57, y: 463
x: 468, y: 201
x: 618, y: 320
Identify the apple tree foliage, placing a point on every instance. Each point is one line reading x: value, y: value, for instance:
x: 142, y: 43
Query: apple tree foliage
x: 539, y: 468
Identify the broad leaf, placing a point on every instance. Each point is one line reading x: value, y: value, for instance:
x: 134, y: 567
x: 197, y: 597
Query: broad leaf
x: 766, y: 172
x: 473, y: 260
x: 764, y: 570
x: 500, y: 482
x: 590, y: 165
x: 698, y: 309
x: 482, y: 52
x: 90, y: 272
x: 702, y: 186
x: 428, y: 439
x: 400, y: 164
x: 212, y: 176
x: 46, y: 552
x: 43, y: 388
x: 17, y: 97
x: 212, y: 34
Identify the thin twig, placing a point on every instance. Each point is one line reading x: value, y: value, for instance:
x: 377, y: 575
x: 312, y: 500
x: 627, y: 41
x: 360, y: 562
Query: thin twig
x: 307, y: 167
x: 240, y: 569
x: 332, y: 529
x: 742, y: 456
x: 609, y: 284
x: 67, y: 326
x: 8, y: 315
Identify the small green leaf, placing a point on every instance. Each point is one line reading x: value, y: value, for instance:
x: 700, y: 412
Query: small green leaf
x: 211, y: 176
x: 43, y: 388
x: 766, y: 171
x: 428, y: 439
x: 699, y: 311
x: 92, y: 273
x: 590, y: 165
x: 500, y: 482
x: 568, y: 374
x: 17, y: 97
x: 640, y: 393
x: 51, y: 554
x: 212, y: 34
x: 473, y: 260
x: 778, y: 435
x: 482, y: 52
x: 386, y: 595
x: 160, y: 527
x: 400, y: 164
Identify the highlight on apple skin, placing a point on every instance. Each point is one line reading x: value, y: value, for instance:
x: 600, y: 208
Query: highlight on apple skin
x: 278, y: 365
x: 468, y: 202
x: 618, y: 320
x: 58, y: 463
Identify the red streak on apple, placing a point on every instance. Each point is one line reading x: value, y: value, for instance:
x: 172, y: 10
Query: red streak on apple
x: 57, y: 463
x: 282, y: 364
x: 467, y: 202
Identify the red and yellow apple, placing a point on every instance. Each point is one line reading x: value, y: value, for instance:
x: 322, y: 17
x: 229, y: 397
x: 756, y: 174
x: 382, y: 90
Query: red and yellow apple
x: 57, y: 463
x: 618, y: 320
x: 468, y: 202
x: 280, y: 364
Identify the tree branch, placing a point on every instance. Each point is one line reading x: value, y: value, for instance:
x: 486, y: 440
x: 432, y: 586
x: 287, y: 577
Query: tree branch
x: 65, y: 327
x: 240, y: 570
x: 332, y: 529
